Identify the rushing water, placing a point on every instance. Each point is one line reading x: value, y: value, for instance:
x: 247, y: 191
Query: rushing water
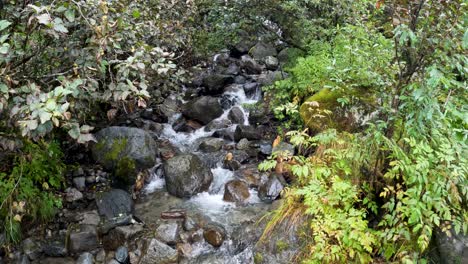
x: 210, y: 203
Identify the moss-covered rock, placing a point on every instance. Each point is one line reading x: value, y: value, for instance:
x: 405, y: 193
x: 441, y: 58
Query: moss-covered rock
x: 324, y: 111
x: 125, y: 151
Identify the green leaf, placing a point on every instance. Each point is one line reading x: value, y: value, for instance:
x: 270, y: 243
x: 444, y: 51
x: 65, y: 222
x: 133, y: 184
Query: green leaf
x: 3, y: 88
x: 44, y: 19
x: 4, y: 24
x: 136, y: 13
x: 70, y: 15
x: 59, y: 27
x: 44, y: 116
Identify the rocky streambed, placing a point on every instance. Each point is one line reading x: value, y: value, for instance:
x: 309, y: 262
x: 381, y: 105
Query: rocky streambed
x: 178, y: 182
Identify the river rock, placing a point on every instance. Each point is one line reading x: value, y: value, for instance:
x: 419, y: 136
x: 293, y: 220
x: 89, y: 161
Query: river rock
x: 155, y: 114
x: 116, y: 144
x: 271, y: 77
x: 160, y: 253
x: 214, y: 84
x: 83, y: 238
x: 121, y: 255
x: 203, y: 109
x: 56, y: 248
x: 271, y: 63
x: 73, y: 195
x: 114, y: 203
x: 236, y: 191
x: 231, y: 165
x: 117, y: 237
x: 248, y: 132
x: 259, y: 116
x: 232, y: 69
x: 262, y: 50
x: 186, y: 176
x: 250, y: 88
x: 236, y: 115
x: 214, y: 235
x: 211, y: 144
x: 31, y: 248
x: 452, y: 249
x: 168, y: 233
x: 284, y: 147
x: 250, y: 66
x: 271, y: 189
x: 79, y: 183
x: 85, y: 258
x: 240, y: 79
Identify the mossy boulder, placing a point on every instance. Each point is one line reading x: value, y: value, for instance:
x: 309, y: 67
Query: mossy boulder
x: 125, y: 151
x: 323, y: 110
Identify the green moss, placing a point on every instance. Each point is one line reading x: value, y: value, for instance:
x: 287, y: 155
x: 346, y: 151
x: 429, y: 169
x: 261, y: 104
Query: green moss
x: 281, y: 246
x: 258, y: 258
x: 319, y: 117
x: 125, y: 171
x: 117, y: 147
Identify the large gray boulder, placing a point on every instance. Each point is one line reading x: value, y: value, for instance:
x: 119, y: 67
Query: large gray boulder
x: 248, y: 132
x: 186, y: 176
x: 214, y: 84
x: 262, y: 50
x: 134, y: 146
x: 203, y: 109
x: 271, y: 189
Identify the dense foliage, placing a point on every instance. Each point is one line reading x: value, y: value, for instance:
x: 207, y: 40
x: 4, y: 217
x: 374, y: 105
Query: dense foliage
x: 385, y: 189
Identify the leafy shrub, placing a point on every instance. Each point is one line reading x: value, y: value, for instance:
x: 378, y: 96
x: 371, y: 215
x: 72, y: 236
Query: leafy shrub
x: 28, y: 190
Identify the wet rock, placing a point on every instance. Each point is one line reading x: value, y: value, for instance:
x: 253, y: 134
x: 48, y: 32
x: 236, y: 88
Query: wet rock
x: 113, y: 261
x: 155, y: 114
x: 214, y: 235
x: 236, y: 191
x: 243, y: 144
x: 121, y: 255
x: 84, y: 238
x: 264, y: 147
x: 231, y: 165
x: 23, y: 260
x: 203, y: 109
x: 90, y: 218
x: 109, y: 224
x: 226, y: 134
x: 250, y: 66
x: 114, y: 203
x: 119, y: 235
x: 218, y: 124
x: 73, y: 195
x: 248, y: 132
x: 174, y: 214
x: 271, y: 77
x: 259, y: 116
x: 243, y: 45
x: 452, y: 249
x: 32, y: 249
x: 117, y: 144
x: 186, y: 176
x: 85, y: 258
x: 250, y: 88
x: 190, y: 224
x: 271, y: 63
x: 233, y: 88
x: 168, y: 233
x: 169, y: 107
x: 262, y: 50
x: 160, y: 253
x: 101, y: 256
x: 56, y: 248
x: 90, y: 179
x: 215, y: 83
x: 79, y: 183
x: 51, y: 260
x: 284, y: 147
x: 211, y: 144
x: 232, y: 69
x: 236, y: 115
x: 271, y: 189
x: 240, y: 79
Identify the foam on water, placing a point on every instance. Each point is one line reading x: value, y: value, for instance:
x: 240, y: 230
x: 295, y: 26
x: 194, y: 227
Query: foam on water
x: 220, y: 178
x: 155, y: 184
